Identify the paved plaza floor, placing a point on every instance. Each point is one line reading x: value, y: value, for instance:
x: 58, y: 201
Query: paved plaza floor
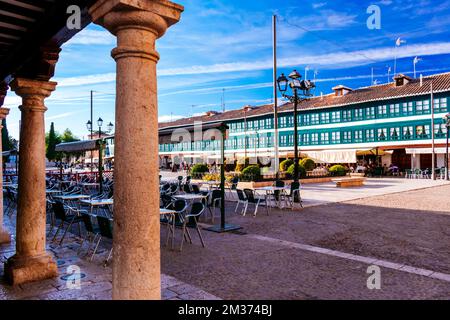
x: 320, y: 252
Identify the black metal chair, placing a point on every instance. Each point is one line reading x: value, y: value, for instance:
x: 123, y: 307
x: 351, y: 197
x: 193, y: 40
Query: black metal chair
x: 214, y: 201
x: 190, y: 220
x: 92, y: 232
x: 187, y: 188
x: 106, y: 231
x: 232, y: 185
x: 242, y: 199
x: 249, y: 193
x: 69, y: 218
x: 195, y: 189
x: 294, y: 194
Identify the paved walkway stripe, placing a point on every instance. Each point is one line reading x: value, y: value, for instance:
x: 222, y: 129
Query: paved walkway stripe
x: 349, y: 256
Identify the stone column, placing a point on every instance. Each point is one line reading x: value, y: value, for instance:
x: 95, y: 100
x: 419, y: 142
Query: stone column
x: 136, y: 255
x: 31, y: 261
x: 5, y: 237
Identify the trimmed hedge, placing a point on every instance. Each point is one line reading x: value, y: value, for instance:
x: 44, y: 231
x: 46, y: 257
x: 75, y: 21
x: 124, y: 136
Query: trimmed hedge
x: 308, y: 164
x: 301, y: 171
x: 337, y: 171
x: 285, y: 164
x: 199, y: 169
x: 251, y: 173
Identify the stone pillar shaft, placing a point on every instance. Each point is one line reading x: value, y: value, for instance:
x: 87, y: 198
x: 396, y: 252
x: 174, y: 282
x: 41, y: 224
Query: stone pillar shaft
x: 5, y: 237
x: 31, y: 261
x: 136, y: 255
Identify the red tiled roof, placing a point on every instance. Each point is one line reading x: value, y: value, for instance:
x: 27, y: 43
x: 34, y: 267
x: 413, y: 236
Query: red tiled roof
x: 441, y: 83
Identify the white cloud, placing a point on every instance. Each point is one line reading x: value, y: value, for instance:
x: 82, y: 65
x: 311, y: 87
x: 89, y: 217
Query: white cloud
x: 319, y: 5
x: 167, y: 118
x: 334, y: 60
x: 85, y: 80
x: 92, y: 37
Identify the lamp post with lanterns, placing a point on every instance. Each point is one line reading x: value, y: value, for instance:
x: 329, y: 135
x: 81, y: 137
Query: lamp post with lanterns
x: 301, y: 90
x: 110, y: 127
x: 446, y: 120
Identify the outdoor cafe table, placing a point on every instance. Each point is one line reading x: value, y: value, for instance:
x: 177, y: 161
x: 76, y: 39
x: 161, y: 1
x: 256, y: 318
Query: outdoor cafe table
x: 189, y: 197
x: 211, y: 184
x: 87, y: 185
x: 270, y: 191
x: 98, y: 203
x: 72, y: 197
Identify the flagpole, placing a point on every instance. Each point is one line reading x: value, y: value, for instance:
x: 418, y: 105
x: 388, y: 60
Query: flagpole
x: 433, y: 155
x: 275, y: 95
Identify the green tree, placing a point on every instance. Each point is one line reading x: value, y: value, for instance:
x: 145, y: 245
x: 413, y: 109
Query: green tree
x: 6, y: 143
x: 68, y: 136
x: 52, y: 140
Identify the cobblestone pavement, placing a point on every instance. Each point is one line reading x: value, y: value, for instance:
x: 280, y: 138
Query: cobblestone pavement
x: 319, y: 252
x: 95, y: 279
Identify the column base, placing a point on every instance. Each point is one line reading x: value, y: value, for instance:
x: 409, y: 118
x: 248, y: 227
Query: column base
x: 20, y: 270
x: 5, y: 237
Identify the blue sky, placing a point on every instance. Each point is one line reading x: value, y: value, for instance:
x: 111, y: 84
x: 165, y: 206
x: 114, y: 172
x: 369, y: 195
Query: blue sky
x: 224, y: 48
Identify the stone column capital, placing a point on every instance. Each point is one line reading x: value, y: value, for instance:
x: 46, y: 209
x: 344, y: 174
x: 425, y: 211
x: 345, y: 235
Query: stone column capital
x: 136, y: 23
x: 156, y: 15
x: 3, y: 113
x: 33, y: 93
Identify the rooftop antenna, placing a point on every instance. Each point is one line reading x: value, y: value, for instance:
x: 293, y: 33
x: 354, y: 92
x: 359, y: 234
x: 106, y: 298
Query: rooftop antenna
x: 398, y: 43
x: 223, y: 100
x: 415, y: 61
x: 389, y: 73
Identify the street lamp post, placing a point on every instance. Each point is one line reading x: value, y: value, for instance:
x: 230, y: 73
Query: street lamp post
x: 100, y: 149
x: 446, y: 121
x: 304, y: 86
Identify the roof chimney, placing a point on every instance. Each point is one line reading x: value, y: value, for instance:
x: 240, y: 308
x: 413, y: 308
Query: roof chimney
x: 401, y: 80
x: 211, y: 113
x: 421, y: 79
x: 341, y: 90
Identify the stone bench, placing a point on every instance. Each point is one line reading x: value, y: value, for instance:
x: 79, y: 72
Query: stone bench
x: 349, y: 182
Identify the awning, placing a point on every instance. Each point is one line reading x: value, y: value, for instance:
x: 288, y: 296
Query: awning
x: 77, y: 146
x: 372, y: 152
x: 425, y: 150
x: 332, y: 156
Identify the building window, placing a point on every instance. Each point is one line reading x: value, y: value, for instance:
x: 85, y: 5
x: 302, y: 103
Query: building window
x: 336, y: 116
x: 324, y: 117
x: 422, y: 132
x: 347, y: 115
x: 382, y: 111
x: 359, y: 114
x: 306, y: 119
x: 347, y: 137
x: 407, y: 133
x: 407, y: 108
x: 283, y: 122
x: 324, y: 138
x: 336, y: 137
x: 440, y: 105
x: 290, y: 121
x: 382, y: 134
x: 268, y: 123
x: 305, y: 139
x: 439, y: 130
x: 314, y: 138
x: 315, y: 118
x: 422, y: 107
x: 370, y: 135
x: 394, y: 110
x: 358, y: 134
x: 394, y: 133
x: 370, y: 113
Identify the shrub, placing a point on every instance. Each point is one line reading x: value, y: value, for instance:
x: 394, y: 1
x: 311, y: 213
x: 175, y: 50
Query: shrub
x: 251, y: 173
x: 199, y: 169
x: 337, y: 170
x: 301, y: 171
x: 211, y: 177
x: 284, y: 165
x: 308, y: 164
x: 241, y: 165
